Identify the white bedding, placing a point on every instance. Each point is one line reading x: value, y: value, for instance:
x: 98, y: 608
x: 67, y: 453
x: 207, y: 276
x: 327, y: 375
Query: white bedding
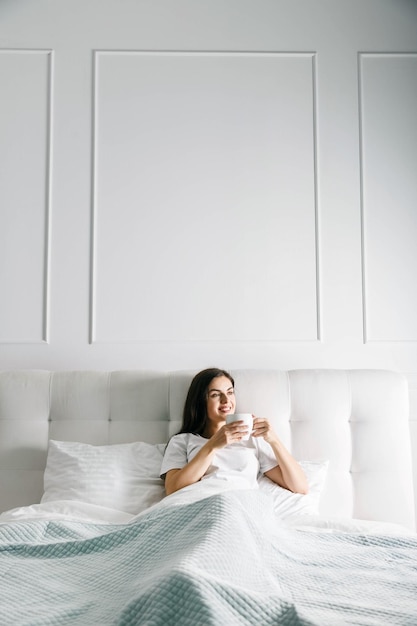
x: 86, y: 512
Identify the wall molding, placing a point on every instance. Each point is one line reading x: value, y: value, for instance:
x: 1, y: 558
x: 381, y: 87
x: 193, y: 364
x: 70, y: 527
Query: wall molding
x: 48, y: 194
x: 97, y: 53
x: 364, y: 263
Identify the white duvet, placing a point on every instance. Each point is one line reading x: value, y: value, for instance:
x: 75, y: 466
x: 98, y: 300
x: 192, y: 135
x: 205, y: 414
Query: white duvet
x: 85, y: 512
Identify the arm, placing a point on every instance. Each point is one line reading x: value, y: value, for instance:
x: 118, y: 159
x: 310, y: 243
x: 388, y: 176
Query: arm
x: 192, y: 472
x: 195, y: 469
x: 287, y: 473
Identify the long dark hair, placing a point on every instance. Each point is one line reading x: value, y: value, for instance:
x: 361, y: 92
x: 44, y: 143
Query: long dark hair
x: 194, y: 418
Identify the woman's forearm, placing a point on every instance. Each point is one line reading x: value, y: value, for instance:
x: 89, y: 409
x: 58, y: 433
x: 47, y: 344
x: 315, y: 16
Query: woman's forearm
x: 288, y: 470
x: 190, y: 473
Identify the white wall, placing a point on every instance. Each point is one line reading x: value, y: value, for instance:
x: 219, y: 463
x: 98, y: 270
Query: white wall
x: 187, y: 182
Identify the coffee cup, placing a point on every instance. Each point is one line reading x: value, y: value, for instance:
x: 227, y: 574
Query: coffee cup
x: 244, y: 417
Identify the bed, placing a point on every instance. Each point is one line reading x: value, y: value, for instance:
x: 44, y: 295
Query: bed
x: 87, y: 536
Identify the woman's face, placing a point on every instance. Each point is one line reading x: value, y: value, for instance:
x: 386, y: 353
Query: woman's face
x: 220, y: 400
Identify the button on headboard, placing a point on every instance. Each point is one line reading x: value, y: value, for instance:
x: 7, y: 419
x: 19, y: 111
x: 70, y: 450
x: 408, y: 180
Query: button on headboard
x: 357, y: 419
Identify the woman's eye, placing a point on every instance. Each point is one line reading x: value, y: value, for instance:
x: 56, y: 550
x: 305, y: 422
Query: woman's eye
x: 231, y: 393
x: 214, y: 395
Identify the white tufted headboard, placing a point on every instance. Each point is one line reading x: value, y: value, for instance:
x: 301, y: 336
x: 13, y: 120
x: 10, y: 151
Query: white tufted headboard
x: 358, y: 419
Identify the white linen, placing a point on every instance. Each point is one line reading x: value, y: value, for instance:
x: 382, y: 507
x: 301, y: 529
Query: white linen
x: 84, y: 512
x: 66, y: 510
x: 120, y: 476
x: 288, y: 504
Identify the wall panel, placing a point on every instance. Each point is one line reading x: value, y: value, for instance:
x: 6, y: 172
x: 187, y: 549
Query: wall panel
x: 205, y: 213
x: 388, y: 90
x: 25, y: 129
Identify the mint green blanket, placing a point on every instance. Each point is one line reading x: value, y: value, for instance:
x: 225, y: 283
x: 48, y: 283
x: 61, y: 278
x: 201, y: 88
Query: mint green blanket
x: 224, y: 560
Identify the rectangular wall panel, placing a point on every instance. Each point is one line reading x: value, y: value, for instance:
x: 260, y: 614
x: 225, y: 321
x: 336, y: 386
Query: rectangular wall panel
x: 388, y: 107
x: 25, y: 119
x: 204, y: 201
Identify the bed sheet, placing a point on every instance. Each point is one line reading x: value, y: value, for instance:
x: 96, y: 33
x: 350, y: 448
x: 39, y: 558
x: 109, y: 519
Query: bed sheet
x: 200, y: 558
x: 82, y: 511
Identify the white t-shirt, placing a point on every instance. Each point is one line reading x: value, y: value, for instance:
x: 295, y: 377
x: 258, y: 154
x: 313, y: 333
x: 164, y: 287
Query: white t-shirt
x: 238, y: 463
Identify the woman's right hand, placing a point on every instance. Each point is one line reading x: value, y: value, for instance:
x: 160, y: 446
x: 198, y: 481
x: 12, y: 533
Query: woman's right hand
x: 229, y: 433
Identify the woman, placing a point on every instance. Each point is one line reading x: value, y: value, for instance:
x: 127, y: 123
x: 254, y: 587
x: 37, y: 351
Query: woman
x: 206, y: 447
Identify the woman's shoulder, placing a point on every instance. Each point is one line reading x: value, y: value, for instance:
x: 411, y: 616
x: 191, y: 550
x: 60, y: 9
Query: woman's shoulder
x: 179, y: 439
x: 186, y: 436
x: 185, y: 440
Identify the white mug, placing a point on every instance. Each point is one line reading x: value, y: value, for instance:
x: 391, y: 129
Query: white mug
x: 246, y: 418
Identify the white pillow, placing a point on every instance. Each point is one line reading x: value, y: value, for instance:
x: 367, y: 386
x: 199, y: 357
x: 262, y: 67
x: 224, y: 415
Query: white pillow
x: 120, y: 476
x: 288, y: 504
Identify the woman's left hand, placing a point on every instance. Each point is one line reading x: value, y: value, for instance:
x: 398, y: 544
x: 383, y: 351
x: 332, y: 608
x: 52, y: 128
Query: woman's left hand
x: 262, y: 428
x: 287, y: 473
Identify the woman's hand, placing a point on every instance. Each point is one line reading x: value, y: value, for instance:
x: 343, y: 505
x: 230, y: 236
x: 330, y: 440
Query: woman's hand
x: 262, y: 428
x: 229, y: 433
x: 288, y: 472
